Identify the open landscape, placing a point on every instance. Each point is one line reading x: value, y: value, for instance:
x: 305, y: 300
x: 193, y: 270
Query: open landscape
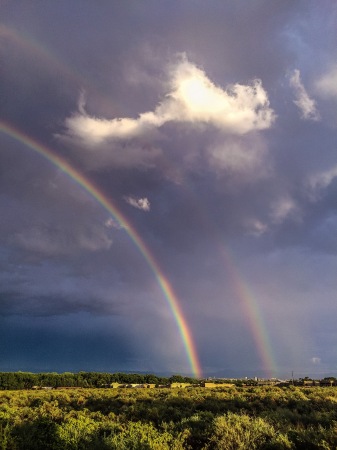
x: 168, y: 206
x: 229, y: 416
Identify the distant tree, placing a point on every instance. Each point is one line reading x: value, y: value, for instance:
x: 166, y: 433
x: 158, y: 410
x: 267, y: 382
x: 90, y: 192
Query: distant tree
x: 177, y: 379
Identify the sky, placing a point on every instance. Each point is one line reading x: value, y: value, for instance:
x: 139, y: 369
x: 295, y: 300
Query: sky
x: 168, y: 187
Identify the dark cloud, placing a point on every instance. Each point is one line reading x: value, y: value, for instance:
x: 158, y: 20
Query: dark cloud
x: 212, y: 128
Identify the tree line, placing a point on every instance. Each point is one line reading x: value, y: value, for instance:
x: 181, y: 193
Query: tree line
x: 28, y: 380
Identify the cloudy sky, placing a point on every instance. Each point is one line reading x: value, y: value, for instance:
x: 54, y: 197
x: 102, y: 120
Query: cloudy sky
x: 211, y: 128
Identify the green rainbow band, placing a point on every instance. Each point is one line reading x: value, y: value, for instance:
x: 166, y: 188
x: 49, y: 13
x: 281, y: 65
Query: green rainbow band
x: 108, y: 205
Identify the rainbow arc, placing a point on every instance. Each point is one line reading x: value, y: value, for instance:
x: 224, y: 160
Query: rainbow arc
x: 103, y: 200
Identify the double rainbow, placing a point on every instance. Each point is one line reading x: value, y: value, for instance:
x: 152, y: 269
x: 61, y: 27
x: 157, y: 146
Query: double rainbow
x: 250, y: 306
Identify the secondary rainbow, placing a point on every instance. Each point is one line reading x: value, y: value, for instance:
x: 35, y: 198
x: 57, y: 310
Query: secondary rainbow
x: 244, y: 294
x: 253, y: 314
x: 51, y: 62
x: 109, y: 206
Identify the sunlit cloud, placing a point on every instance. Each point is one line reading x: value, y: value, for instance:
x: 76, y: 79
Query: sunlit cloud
x: 193, y: 99
x: 306, y: 105
x: 94, y: 131
x: 139, y: 203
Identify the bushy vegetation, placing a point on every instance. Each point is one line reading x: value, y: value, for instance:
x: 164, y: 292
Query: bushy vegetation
x: 191, y: 418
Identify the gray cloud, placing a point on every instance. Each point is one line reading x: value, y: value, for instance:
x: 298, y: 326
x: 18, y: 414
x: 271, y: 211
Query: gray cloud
x: 306, y: 105
x: 326, y: 84
x: 180, y: 111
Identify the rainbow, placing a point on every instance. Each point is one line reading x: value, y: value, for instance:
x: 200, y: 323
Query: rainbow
x: 109, y: 206
x: 29, y: 46
x: 245, y: 296
x: 253, y: 314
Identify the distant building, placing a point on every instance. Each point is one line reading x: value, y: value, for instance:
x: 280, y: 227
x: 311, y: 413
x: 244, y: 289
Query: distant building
x: 328, y: 382
x: 131, y: 385
x: 310, y: 383
x: 179, y: 385
x: 208, y: 384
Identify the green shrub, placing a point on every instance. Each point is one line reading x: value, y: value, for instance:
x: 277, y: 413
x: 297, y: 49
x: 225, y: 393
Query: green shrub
x: 77, y: 432
x: 40, y: 434
x: 144, y: 436
x: 6, y: 439
x: 242, y: 432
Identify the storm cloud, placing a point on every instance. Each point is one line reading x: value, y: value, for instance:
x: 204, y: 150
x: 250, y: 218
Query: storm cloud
x: 209, y: 134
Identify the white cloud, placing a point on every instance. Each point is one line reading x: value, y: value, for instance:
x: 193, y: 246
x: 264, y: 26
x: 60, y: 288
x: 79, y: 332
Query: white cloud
x: 139, y: 203
x: 306, y: 105
x: 93, y: 131
x: 111, y: 223
x: 256, y: 227
x: 284, y: 208
x: 327, y: 84
x: 320, y: 181
x: 192, y: 98
x: 315, y: 360
x: 195, y: 98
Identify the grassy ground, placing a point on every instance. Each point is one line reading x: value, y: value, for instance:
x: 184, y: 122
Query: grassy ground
x: 193, y: 418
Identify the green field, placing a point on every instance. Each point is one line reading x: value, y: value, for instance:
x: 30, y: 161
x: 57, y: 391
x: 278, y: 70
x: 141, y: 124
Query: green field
x: 192, y: 418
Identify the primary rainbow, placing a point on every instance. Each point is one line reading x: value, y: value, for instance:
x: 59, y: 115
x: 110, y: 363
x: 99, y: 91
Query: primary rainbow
x: 109, y: 206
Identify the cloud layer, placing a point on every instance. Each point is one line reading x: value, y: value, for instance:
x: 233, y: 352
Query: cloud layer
x: 212, y: 129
